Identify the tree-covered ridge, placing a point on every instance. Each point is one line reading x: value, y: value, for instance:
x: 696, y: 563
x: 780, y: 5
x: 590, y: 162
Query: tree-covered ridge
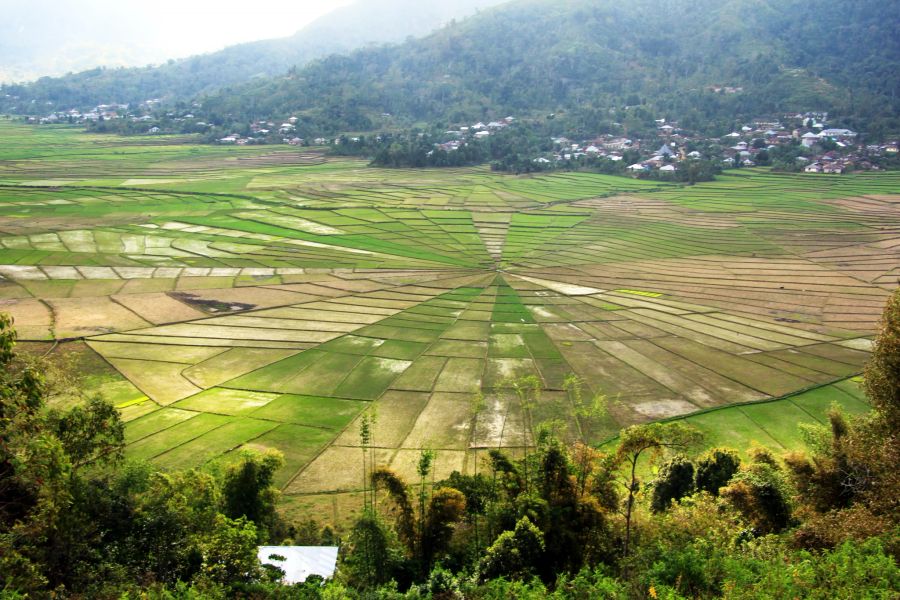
x: 345, y: 29
x: 588, y: 60
x: 652, y: 516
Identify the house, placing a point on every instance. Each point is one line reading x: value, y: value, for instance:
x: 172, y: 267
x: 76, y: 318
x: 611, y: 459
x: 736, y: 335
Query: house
x: 665, y: 151
x: 694, y: 154
x: 813, y: 168
x: 835, y: 168
x: 809, y: 139
x: 299, y: 562
x: 638, y: 168
x: 617, y: 144
x: 482, y: 134
x: 667, y: 129
x: 668, y: 169
x: 837, y: 133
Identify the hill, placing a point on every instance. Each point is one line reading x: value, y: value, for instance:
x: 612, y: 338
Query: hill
x: 590, y: 59
x: 345, y: 29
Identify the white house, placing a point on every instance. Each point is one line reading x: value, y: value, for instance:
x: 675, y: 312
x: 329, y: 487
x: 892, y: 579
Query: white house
x: 809, y: 139
x: 837, y: 133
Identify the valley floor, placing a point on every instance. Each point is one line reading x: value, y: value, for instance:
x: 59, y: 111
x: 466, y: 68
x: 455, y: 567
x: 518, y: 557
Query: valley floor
x: 229, y: 298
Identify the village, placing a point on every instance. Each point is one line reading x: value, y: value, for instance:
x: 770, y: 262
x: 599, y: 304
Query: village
x: 793, y: 141
x: 817, y: 147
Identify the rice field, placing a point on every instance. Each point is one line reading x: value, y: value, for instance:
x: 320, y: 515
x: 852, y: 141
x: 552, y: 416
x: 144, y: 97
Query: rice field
x: 268, y: 297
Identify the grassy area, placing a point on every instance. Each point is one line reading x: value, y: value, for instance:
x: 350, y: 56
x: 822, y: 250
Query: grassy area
x: 264, y: 297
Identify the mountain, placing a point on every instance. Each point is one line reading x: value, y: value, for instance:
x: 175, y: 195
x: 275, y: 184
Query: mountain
x: 358, y: 24
x: 588, y: 59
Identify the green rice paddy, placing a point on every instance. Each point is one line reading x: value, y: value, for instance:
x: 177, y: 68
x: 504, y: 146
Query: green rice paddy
x: 266, y: 297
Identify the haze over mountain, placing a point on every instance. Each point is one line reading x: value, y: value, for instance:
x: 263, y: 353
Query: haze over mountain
x: 62, y: 47
x: 53, y: 37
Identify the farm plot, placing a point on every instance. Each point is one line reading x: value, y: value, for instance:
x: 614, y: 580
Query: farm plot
x: 272, y: 299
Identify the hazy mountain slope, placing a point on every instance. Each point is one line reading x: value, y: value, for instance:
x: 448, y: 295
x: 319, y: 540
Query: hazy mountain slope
x: 590, y: 55
x: 353, y: 26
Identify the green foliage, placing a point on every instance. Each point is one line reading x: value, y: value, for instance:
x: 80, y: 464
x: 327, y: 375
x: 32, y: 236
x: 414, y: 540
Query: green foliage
x: 248, y: 490
x: 882, y: 376
x: 674, y: 481
x: 654, y: 439
x: 372, y: 557
x: 229, y: 552
x: 715, y: 469
x: 852, y: 570
x: 759, y: 491
x: 514, y: 554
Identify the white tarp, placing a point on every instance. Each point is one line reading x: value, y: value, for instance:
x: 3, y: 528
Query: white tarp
x: 300, y: 561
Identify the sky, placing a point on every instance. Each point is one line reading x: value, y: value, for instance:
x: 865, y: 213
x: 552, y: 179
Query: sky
x: 47, y: 37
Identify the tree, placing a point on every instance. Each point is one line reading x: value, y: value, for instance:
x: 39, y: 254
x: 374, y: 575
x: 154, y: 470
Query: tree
x: 229, y: 552
x: 44, y: 455
x: 654, y: 438
x: 882, y: 374
x: 249, y: 491
x: 514, y: 554
x: 715, y: 469
x: 528, y: 392
x: 428, y: 535
x: 848, y: 487
x: 372, y: 558
x: 674, y: 481
x: 760, y: 493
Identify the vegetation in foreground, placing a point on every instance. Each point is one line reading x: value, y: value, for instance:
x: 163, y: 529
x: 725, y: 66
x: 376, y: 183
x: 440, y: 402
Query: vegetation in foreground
x: 555, y: 522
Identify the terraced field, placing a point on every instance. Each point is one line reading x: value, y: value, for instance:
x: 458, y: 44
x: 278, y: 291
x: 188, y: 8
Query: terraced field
x: 266, y: 298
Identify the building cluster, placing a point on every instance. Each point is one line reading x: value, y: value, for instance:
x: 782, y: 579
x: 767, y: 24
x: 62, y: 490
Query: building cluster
x: 101, y: 112
x: 820, y: 148
x: 478, y: 131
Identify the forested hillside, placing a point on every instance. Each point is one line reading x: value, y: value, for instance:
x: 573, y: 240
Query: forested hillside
x: 345, y: 29
x: 590, y: 59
